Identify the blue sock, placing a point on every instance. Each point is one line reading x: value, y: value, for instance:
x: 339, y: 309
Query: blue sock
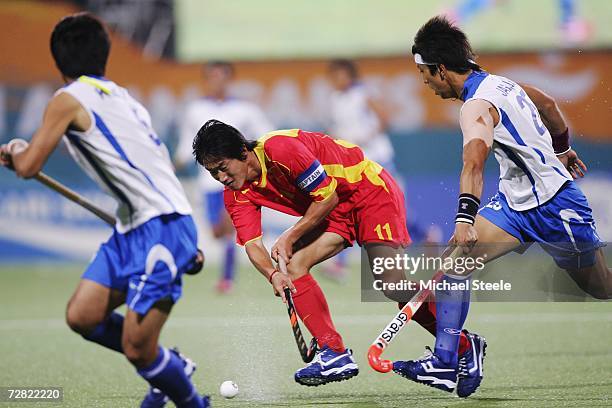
x: 230, y: 260
x: 108, y: 333
x: 451, y: 311
x: 567, y: 10
x: 167, y: 373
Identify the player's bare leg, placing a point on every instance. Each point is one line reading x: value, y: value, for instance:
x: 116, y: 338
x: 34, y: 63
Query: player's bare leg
x: 313, y: 250
x: 334, y: 362
x: 446, y: 368
x: 90, y: 313
x: 595, y: 280
x: 493, y: 242
x: 141, y: 333
x: 394, y: 275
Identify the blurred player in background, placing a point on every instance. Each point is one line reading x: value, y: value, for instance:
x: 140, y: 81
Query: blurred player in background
x: 154, y: 242
x: 358, y: 117
x: 573, y: 28
x: 341, y: 197
x: 537, y: 201
x: 244, y: 115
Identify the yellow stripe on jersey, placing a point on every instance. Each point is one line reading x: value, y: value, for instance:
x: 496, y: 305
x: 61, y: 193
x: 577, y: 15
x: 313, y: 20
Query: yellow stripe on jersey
x: 345, y: 143
x: 326, y: 191
x: 261, y: 155
x: 354, y: 174
x: 95, y: 83
x: 252, y: 240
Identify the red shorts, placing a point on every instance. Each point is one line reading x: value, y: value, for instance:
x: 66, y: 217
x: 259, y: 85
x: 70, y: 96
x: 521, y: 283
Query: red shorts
x: 373, y: 214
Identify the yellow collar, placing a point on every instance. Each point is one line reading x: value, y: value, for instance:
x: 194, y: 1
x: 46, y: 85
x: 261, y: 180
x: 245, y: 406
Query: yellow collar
x: 94, y: 82
x: 261, y: 157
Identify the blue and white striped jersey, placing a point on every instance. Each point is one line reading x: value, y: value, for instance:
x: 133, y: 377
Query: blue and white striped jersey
x: 530, y: 172
x: 122, y: 153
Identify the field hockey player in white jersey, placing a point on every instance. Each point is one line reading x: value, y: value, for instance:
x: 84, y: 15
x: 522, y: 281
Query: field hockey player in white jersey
x: 537, y: 201
x: 154, y: 241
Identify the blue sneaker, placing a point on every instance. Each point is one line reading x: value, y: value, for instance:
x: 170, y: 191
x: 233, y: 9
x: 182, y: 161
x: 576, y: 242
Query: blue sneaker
x: 327, y: 366
x: 205, y: 401
x: 470, y: 365
x: 428, y: 370
x: 155, y: 398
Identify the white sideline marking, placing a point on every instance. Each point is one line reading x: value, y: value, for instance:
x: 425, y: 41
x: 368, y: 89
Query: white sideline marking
x: 349, y: 320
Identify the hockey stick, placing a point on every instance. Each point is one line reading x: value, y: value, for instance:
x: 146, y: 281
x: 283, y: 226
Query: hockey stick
x: 75, y: 197
x: 307, y: 352
x: 194, y: 267
x: 401, y: 320
x: 63, y: 190
x: 68, y: 193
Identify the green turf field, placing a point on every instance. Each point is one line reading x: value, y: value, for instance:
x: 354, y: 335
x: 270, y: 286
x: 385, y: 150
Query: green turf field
x: 539, y: 355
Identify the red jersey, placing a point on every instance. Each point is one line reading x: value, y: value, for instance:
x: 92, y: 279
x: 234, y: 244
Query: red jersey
x: 298, y: 168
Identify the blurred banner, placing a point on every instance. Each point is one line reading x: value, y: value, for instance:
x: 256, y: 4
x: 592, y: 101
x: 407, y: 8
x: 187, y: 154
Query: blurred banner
x: 424, y: 131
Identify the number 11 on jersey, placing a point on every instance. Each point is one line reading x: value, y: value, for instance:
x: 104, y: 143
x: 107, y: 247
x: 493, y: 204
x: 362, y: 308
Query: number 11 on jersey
x: 379, y: 232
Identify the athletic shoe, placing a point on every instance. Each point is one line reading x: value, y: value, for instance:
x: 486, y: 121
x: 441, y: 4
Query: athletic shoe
x: 327, y: 366
x: 155, y: 398
x: 470, y: 365
x: 428, y: 370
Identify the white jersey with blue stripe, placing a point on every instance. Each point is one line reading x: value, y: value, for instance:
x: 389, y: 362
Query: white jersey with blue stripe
x: 530, y: 172
x: 123, y: 154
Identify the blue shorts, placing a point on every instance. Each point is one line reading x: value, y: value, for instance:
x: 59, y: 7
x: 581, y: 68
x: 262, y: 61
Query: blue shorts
x: 214, y: 206
x: 147, y: 263
x: 563, y: 226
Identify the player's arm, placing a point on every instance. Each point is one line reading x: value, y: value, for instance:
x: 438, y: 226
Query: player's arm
x: 315, y: 213
x: 260, y: 258
x: 478, y: 119
x: 557, y: 126
x: 310, y: 176
x: 246, y: 218
x: 549, y: 110
x: 62, y: 112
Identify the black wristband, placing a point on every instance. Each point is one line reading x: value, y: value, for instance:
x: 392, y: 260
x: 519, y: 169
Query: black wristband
x: 561, y: 142
x: 468, y: 208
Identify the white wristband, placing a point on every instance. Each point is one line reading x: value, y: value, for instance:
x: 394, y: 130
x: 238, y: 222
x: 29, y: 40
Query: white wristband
x: 562, y: 153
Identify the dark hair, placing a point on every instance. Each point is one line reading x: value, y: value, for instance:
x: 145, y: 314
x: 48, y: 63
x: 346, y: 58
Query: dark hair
x: 438, y: 41
x: 80, y: 45
x: 346, y: 65
x: 226, y: 66
x: 217, y: 141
